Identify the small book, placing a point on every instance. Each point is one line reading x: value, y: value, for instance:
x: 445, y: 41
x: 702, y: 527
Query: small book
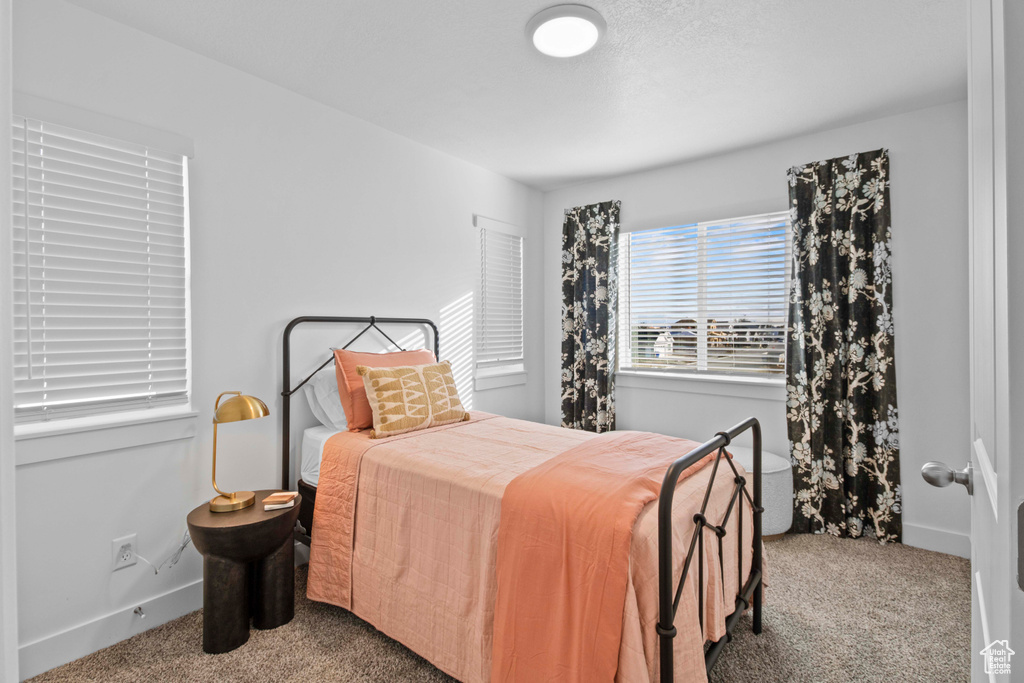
x: 280, y: 506
x: 280, y: 497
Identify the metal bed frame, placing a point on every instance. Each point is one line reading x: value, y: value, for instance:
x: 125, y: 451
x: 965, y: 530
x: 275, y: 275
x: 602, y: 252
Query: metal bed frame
x: 751, y: 592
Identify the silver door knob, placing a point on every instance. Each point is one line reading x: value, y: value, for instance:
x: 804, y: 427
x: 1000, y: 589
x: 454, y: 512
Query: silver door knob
x: 941, y: 475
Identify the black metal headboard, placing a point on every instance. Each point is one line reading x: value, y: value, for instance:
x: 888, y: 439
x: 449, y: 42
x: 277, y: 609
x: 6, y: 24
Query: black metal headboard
x: 287, y: 391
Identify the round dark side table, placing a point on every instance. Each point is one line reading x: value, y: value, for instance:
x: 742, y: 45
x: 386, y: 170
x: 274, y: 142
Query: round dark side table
x: 248, y: 570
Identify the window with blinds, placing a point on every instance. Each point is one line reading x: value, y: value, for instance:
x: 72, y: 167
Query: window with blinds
x: 100, y: 274
x: 706, y: 297
x: 500, y: 338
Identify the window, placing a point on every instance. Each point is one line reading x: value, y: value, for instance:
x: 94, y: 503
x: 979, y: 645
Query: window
x: 500, y: 339
x: 706, y: 297
x: 100, y: 274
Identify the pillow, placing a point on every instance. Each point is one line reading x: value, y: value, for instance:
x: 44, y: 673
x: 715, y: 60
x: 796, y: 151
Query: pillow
x: 322, y: 395
x: 350, y: 384
x: 404, y: 399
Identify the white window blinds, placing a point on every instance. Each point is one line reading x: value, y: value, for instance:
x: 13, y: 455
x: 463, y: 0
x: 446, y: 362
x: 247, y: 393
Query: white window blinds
x: 101, y: 274
x: 501, y: 292
x: 706, y: 297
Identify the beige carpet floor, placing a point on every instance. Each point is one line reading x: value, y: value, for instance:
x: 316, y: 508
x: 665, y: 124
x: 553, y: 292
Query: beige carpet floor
x: 836, y: 610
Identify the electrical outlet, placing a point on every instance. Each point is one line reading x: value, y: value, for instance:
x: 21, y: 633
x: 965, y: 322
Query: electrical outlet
x: 123, y: 550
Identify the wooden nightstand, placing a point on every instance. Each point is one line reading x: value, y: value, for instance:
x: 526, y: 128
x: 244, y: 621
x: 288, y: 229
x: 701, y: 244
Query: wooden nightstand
x: 248, y: 569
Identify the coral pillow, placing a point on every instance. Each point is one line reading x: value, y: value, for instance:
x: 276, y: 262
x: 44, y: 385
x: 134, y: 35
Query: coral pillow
x: 350, y: 384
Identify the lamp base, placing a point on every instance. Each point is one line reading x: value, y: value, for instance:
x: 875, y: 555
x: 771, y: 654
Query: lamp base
x: 235, y: 501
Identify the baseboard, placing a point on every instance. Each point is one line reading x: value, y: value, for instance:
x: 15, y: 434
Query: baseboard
x: 939, y: 540
x: 60, y: 648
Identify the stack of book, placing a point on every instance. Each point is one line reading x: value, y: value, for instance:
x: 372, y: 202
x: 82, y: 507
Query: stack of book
x: 280, y: 500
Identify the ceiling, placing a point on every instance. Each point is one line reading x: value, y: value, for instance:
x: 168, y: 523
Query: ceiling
x: 671, y: 80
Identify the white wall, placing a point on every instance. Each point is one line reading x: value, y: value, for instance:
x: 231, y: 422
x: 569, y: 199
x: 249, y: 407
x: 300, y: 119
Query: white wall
x: 296, y: 209
x: 928, y: 150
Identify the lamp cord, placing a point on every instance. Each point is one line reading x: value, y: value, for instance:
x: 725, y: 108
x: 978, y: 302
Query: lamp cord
x: 173, y: 559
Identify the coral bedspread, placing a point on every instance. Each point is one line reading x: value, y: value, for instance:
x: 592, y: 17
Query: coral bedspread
x: 406, y: 536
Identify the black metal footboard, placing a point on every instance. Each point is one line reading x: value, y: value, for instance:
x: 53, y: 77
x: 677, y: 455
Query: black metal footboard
x: 750, y: 593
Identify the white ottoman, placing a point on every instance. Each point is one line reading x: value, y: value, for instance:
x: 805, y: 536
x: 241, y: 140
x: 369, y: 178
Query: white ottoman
x: 776, y: 488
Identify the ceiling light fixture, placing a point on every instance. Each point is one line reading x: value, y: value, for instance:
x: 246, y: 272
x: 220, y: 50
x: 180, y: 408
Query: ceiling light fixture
x: 565, y: 30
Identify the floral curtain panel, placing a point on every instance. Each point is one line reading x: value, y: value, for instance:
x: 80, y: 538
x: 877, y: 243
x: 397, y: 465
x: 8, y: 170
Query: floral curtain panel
x: 589, y: 302
x: 841, y: 374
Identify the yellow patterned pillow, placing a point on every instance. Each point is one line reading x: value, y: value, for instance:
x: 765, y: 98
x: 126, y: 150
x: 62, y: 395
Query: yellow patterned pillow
x: 405, y: 399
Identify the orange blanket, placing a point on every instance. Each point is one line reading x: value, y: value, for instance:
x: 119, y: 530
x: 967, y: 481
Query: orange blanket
x: 406, y: 536
x: 331, y: 564
x: 563, y: 556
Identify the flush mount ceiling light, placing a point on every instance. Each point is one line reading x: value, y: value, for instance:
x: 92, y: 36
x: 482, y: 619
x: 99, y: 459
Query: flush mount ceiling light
x: 565, y: 30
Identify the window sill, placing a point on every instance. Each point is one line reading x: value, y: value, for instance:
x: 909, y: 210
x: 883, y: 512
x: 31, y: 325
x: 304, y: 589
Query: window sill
x: 58, y: 439
x: 716, y: 385
x: 496, y: 377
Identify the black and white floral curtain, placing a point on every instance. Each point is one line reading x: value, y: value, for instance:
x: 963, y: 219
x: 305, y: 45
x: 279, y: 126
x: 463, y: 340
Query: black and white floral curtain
x: 589, y: 302
x: 841, y: 374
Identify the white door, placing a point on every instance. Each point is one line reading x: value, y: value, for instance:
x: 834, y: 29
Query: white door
x: 987, y: 474
x: 991, y: 507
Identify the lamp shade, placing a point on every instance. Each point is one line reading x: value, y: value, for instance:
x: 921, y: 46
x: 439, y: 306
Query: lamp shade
x: 240, y: 408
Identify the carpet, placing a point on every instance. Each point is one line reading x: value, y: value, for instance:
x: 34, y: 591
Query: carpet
x: 835, y: 610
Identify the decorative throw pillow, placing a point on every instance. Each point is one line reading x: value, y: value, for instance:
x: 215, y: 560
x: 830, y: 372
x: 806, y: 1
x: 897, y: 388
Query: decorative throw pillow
x: 405, y: 399
x: 350, y: 385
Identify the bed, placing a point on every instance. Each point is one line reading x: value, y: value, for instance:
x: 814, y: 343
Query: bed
x: 405, y: 532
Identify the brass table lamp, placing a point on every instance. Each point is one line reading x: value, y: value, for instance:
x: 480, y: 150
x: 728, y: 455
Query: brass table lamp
x: 236, y: 408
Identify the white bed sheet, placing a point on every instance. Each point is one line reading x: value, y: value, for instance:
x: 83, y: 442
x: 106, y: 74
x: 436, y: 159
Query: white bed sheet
x: 313, y: 441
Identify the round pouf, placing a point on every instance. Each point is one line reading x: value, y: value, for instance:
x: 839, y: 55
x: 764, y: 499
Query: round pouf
x: 776, y: 488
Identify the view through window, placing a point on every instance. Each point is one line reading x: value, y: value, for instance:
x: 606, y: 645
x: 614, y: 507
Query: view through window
x: 706, y: 297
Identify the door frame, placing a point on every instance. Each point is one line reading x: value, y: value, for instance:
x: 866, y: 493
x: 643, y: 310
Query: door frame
x: 992, y: 525
x: 8, y: 563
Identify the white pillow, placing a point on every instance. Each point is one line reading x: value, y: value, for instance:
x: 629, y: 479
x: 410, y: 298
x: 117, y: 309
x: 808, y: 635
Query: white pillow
x: 322, y: 395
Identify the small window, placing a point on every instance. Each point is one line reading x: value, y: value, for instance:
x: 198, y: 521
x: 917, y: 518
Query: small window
x: 100, y: 274
x: 708, y: 298
x: 500, y: 338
